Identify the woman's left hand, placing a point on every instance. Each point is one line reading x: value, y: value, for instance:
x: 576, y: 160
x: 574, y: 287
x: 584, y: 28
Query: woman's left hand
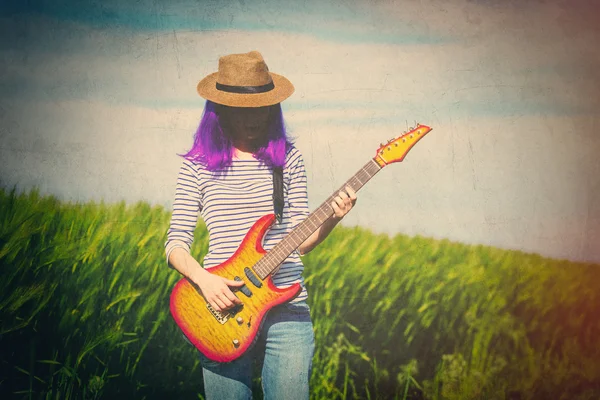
x: 343, y: 203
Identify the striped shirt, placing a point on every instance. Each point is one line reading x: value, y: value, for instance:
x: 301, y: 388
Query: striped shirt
x: 230, y: 201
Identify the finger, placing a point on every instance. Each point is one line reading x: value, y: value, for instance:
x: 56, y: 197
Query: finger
x: 231, y: 297
x: 218, y: 304
x: 345, y: 204
x: 231, y: 282
x: 343, y: 195
x: 225, y: 301
x: 337, y: 211
x: 345, y: 199
x: 351, y: 194
x: 340, y: 202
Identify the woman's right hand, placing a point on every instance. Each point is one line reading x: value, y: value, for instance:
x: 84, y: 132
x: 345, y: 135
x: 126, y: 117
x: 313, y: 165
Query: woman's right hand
x: 216, y: 291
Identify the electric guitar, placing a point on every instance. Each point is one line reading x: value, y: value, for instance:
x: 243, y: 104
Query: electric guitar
x: 225, y: 336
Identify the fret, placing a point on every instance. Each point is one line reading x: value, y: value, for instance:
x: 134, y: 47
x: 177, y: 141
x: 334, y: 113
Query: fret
x: 322, y: 215
x: 302, y: 231
x: 311, y: 224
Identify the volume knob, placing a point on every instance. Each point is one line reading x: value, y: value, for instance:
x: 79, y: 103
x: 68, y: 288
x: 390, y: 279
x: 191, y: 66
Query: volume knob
x: 236, y: 342
x: 239, y: 320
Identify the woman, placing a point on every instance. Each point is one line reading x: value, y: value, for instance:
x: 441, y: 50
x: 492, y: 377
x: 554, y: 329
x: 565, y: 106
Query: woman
x: 227, y: 177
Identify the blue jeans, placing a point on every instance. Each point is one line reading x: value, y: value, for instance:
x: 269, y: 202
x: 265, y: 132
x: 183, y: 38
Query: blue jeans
x: 284, y: 349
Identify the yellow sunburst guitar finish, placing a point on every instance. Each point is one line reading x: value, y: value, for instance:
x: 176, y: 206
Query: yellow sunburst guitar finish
x: 225, y: 336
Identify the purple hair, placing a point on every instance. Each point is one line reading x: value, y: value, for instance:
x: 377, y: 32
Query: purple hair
x: 213, y: 148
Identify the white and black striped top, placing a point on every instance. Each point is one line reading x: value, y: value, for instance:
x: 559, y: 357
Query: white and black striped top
x: 230, y: 201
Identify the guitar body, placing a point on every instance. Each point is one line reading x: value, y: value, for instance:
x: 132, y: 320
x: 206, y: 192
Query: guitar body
x: 225, y: 336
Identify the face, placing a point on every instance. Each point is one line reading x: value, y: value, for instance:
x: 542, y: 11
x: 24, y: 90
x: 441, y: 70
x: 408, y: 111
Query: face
x: 245, y: 125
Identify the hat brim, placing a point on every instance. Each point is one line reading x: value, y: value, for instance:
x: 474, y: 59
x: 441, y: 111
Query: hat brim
x: 207, y: 88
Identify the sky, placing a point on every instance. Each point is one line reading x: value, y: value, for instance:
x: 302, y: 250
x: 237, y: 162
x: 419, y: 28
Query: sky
x: 97, y: 98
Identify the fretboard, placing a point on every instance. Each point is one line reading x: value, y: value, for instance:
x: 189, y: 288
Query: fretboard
x: 300, y: 233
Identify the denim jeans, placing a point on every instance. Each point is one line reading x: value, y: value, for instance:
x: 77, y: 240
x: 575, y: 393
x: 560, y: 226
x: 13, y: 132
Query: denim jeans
x: 284, y: 349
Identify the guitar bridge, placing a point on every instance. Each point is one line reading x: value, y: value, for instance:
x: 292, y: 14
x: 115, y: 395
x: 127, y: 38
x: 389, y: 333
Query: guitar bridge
x: 222, y: 318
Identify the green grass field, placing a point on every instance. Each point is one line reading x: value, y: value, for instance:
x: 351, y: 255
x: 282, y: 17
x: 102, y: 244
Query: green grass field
x: 84, y: 313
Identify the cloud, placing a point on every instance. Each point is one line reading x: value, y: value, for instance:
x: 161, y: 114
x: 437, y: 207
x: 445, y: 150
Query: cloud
x: 161, y: 70
x: 335, y: 21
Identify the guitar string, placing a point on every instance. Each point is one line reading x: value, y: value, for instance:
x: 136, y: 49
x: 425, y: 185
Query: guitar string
x: 290, y: 243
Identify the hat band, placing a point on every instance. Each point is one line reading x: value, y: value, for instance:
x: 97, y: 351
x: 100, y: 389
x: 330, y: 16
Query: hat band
x: 246, y: 89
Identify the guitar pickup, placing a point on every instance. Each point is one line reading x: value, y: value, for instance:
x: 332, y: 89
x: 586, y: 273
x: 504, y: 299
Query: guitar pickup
x: 255, y: 281
x: 244, y: 289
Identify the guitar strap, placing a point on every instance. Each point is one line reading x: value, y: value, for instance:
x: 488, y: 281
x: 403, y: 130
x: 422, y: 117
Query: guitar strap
x: 278, y: 200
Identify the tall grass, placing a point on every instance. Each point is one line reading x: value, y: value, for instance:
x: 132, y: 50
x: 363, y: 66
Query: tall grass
x: 84, y: 312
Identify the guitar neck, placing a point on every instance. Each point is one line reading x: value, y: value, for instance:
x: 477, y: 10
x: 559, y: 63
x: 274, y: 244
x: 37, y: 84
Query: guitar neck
x: 300, y: 233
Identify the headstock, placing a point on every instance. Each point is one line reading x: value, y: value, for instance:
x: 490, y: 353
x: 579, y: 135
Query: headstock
x: 396, y: 149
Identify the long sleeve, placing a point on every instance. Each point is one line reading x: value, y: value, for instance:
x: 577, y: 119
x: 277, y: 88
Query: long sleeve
x: 185, y: 210
x: 297, y: 189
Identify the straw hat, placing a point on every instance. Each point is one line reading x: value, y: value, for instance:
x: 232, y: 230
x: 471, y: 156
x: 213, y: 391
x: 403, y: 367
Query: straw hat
x: 244, y: 80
